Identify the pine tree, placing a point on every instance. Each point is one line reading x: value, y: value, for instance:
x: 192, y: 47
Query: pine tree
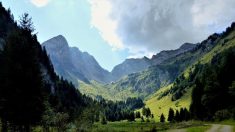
x: 131, y: 116
x: 182, y: 114
x: 171, y: 115
x: 187, y: 114
x: 162, y: 118
x: 26, y: 23
x: 137, y: 114
x: 177, y: 116
x: 144, y: 111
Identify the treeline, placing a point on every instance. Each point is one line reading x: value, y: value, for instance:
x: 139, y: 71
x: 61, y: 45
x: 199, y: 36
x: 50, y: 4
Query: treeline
x: 214, y: 89
x: 178, y: 116
x: 121, y: 110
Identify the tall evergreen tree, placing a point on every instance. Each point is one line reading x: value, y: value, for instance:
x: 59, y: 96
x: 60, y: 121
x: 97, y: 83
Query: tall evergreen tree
x: 171, y: 115
x: 177, y: 116
x: 162, y: 118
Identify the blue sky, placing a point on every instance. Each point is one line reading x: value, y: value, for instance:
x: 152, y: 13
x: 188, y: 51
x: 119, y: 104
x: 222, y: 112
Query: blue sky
x: 72, y: 20
x: 113, y: 30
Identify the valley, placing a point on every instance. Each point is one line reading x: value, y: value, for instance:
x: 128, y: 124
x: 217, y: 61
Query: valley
x: 53, y: 87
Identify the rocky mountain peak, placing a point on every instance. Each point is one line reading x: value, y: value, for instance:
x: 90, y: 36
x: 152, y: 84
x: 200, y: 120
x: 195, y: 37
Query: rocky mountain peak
x: 56, y: 43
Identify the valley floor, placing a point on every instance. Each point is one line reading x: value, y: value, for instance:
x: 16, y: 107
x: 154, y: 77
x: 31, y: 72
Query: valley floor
x: 191, y: 126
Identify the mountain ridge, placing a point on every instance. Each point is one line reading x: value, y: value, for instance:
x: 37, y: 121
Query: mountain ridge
x: 73, y: 64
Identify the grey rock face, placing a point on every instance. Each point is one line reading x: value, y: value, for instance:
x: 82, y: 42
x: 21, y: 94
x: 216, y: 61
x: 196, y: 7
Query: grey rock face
x: 164, y: 55
x: 130, y: 66
x: 73, y: 64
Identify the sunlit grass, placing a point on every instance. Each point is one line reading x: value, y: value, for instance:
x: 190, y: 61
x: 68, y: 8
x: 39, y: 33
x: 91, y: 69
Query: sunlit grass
x: 164, y: 104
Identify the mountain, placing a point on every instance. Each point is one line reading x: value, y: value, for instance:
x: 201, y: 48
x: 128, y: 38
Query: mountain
x: 174, y: 62
x: 73, y: 64
x: 130, y: 66
x: 139, y: 74
x: 167, y: 54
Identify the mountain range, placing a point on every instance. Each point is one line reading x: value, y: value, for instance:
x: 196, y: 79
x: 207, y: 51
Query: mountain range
x: 141, y: 76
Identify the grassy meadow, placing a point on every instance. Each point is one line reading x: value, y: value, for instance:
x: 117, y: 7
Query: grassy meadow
x: 138, y: 126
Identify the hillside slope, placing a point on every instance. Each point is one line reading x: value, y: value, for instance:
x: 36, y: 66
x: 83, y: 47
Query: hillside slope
x: 179, y: 93
x: 148, y: 81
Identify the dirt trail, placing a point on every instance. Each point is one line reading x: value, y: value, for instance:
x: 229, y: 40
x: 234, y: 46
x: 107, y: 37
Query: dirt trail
x: 214, y: 128
x: 220, y: 128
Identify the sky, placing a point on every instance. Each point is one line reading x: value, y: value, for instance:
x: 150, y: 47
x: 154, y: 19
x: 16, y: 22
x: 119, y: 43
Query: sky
x: 113, y: 30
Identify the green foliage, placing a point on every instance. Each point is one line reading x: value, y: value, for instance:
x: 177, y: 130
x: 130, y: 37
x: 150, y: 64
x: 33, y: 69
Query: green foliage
x: 202, y: 128
x: 177, y: 116
x: 142, y: 118
x: 146, y: 112
x: 162, y: 118
x: 120, y: 110
x: 171, y: 115
x: 131, y: 116
x: 22, y: 87
x: 26, y: 22
x: 103, y: 121
x: 222, y: 115
x: 137, y: 114
x: 214, y: 86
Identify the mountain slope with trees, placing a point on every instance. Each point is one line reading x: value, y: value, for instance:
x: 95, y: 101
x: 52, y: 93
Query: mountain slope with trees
x: 145, y: 83
x: 206, y: 86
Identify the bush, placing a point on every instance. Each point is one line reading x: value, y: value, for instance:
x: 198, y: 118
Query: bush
x: 103, y: 121
x: 222, y: 115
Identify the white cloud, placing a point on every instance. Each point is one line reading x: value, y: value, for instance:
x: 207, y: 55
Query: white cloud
x: 149, y: 26
x: 40, y: 3
x: 101, y: 20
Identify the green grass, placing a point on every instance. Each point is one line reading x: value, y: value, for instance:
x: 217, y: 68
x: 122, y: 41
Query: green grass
x: 94, y: 88
x: 198, y: 128
x: 106, y: 91
x: 125, y: 126
x: 219, y: 48
x: 164, y: 104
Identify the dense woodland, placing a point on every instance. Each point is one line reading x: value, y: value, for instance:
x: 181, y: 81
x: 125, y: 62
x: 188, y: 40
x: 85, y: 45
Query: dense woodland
x: 214, y: 89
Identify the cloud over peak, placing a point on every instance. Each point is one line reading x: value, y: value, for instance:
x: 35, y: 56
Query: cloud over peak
x: 149, y: 26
